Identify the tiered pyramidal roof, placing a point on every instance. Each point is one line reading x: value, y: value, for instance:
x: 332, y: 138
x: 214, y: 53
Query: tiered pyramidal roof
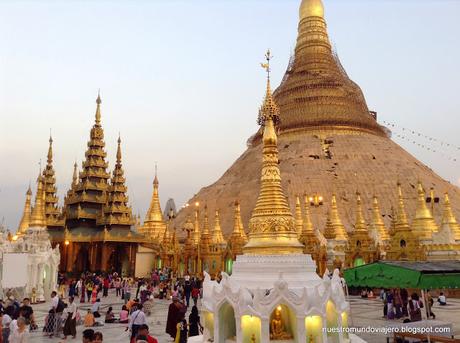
x: 116, y: 212
x: 89, y: 195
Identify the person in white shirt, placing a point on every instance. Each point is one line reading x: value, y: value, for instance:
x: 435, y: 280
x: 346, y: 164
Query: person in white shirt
x: 136, y: 320
x: 71, y: 321
x: 19, y: 333
x: 442, y: 299
x: 6, y: 324
x: 95, y: 308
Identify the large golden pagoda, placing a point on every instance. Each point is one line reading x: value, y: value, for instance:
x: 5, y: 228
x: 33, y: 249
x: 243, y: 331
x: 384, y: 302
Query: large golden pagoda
x: 329, y: 143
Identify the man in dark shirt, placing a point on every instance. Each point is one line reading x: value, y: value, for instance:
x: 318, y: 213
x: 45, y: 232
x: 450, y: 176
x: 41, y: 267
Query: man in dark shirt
x: 26, y: 311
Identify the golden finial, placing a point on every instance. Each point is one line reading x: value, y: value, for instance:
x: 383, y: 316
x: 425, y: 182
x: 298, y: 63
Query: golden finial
x: 155, y: 180
x: 119, y: 150
x: 75, y: 174
x: 272, y: 227
x: 50, y: 150
x: 98, y: 108
x: 269, y: 110
x: 205, y: 221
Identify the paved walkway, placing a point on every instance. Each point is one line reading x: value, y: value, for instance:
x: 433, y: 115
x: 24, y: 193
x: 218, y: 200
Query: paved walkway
x: 364, y: 313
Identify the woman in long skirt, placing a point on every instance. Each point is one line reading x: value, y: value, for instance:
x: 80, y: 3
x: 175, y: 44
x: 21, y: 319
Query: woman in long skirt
x: 71, y: 321
x: 83, y: 292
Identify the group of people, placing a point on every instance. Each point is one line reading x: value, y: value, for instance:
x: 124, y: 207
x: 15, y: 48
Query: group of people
x: 87, y: 293
x: 398, y: 304
x: 15, y: 319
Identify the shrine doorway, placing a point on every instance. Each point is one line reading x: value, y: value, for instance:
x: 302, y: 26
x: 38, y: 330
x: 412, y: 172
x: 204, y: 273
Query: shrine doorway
x: 283, y: 324
x: 82, y: 263
x: 119, y: 261
x: 227, y: 323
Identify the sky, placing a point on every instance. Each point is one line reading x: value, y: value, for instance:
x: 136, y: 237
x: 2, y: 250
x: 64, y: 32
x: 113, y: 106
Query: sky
x: 181, y: 83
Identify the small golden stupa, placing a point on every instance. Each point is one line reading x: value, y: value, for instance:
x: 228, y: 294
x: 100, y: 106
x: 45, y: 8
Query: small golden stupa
x: 272, y: 228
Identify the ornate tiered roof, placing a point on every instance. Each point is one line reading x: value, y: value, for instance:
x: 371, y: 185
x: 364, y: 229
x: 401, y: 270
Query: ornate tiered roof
x: 53, y: 213
x: 116, y: 212
x: 90, y: 193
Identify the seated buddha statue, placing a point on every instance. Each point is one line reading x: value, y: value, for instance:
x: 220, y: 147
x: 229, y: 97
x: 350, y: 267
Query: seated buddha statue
x: 277, y: 329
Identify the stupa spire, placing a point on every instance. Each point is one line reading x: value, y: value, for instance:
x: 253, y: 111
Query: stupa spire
x: 336, y: 222
x: 377, y: 224
x: 238, y: 228
x: 423, y: 224
x: 37, y: 218
x: 52, y: 211
x: 154, y: 224
x: 308, y: 236
x: 360, y: 223
x: 448, y: 218
x: 98, y: 109
x: 75, y: 175
x: 217, y: 236
x: 298, y: 216
x: 401, y: 216
x: 25, y: 220
x: 271, y: 227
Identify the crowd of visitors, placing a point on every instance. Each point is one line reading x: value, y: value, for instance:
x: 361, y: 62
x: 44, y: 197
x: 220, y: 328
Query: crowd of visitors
x: 86, y: 294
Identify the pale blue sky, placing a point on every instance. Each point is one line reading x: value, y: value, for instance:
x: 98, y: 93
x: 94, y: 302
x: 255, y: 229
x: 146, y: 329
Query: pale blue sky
x: 181, y: 81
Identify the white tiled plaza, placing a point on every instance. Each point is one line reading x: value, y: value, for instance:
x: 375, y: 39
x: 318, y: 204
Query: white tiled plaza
x: 364, y: 313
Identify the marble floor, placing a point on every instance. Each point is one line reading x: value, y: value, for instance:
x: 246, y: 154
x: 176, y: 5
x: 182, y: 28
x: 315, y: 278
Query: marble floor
x: 363, y: 313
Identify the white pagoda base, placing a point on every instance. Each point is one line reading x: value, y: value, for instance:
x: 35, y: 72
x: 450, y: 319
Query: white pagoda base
x: 241, y: 306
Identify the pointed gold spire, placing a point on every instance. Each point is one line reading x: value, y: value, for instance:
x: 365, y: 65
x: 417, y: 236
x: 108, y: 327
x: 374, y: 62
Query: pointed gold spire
x: 217, y: 236
x: 50, y: 151
x: 25, y: 220
x: 336, y: 222
x: 308, y: 236
x: 329, y: 230
x: 272, y: 226
x: 377, y: 224
x: 448, y: 218
x: 401, y: 217
x: 196, y: 235
x: 154, y: 224
x: 423, y: 223
x: 37, y: 218
x: 238, y: 228
x: 298, y: 216
x: 75, y: 175
x: 98, y: 109
x: 311, y: 8
x: 119, y: 150
x: 360, y: 223
x: 206, y: 231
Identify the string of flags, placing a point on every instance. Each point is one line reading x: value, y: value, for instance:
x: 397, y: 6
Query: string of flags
x: 411, y: 136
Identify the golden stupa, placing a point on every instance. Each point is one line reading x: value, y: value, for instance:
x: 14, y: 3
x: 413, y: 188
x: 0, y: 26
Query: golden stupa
x: 329, y: 143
